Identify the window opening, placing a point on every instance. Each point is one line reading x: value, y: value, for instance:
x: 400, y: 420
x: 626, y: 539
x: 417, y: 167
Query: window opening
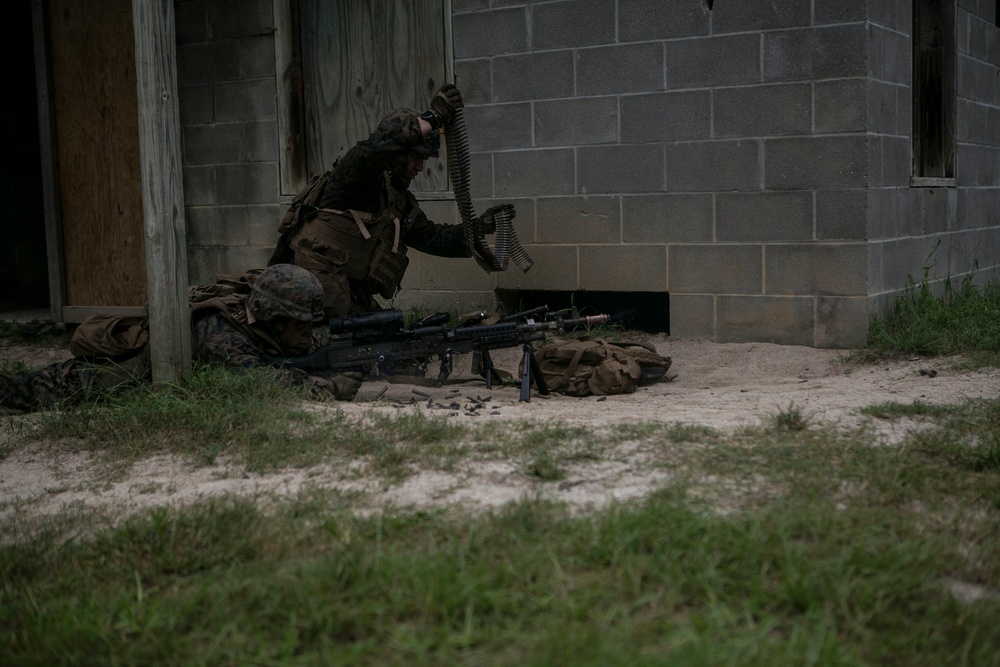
x: 934, y: 89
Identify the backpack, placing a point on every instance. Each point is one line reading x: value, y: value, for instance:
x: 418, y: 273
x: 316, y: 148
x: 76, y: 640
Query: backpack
x: 596, y: 367
x: 114, y: 337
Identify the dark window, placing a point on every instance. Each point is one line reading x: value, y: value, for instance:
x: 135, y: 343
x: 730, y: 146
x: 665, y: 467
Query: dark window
x: 934, y: 88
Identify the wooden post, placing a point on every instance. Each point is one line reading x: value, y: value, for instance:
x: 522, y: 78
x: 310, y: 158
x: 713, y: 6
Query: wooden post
x: 50, y: 174
x: 162, y: 188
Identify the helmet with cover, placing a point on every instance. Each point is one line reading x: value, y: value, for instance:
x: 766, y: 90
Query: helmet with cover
x: 396, y: 122
x: 285, y: 291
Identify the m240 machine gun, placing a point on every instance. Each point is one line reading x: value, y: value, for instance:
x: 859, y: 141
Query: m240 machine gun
x: 378, y: 343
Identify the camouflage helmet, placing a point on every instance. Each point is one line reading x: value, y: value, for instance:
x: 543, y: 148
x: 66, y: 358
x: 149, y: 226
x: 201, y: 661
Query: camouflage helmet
x: 285, y: 290
x: 396, y: 122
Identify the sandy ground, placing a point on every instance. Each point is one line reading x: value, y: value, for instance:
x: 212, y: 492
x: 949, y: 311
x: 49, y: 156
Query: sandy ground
x: 723, y: 386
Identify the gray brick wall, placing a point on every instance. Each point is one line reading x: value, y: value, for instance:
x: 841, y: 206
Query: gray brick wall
x: 226, y: 92
x: 754, y: 161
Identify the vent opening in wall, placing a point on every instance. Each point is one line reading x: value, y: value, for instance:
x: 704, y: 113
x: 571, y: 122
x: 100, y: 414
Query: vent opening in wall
x: 641, y: 311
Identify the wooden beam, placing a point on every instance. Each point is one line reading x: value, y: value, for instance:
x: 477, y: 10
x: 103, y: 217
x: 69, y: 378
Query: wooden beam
x: 162, y: 188
x: 50, y: 173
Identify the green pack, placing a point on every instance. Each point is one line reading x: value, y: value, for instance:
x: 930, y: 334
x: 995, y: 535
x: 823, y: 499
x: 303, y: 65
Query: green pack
x: 596, y: 367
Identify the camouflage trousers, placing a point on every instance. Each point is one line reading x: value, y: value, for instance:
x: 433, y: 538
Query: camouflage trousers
x: 69, y: 382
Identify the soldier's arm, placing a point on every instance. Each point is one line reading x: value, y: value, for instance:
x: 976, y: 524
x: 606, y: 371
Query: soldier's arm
x: 442, y: 240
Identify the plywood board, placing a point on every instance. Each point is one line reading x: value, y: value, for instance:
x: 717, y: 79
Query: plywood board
x: 96, y: 122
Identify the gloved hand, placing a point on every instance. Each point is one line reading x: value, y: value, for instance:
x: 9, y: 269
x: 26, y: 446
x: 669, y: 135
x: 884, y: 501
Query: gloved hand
x: 346, y: 386
x: 488, y: 223
x: 445, y: 102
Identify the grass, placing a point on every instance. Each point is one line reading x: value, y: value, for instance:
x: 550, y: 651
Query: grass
x: 960, y: 319
x: 791, y: 543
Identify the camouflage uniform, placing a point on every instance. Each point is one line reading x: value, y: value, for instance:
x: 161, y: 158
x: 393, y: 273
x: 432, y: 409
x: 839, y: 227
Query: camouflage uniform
x: 366, y: 180
x: 227, y: 331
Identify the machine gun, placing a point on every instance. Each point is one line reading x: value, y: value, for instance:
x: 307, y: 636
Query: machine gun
x: 377, y: 343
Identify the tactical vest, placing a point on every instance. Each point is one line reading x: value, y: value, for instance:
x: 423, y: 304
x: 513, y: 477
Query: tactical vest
x: 357, y: 243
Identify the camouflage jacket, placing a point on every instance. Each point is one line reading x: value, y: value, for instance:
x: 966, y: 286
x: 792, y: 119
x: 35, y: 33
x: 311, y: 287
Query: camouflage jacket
x: 358, y: 181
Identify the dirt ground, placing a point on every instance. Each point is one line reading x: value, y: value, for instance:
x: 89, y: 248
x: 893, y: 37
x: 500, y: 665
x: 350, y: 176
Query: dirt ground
x: 723, y: 386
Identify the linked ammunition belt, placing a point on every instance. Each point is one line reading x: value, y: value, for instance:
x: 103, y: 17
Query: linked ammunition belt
x: 506, y: 244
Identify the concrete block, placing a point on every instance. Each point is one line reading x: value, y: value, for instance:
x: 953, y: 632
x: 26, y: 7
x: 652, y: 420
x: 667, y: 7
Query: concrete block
x: 443, y: 301
x: 882, y: 113
x: 715, y: 269
x: 709, y: 62
x: 218, y: 143
x: 448, y: 273
x: 262, y: 223
x: 839, y: 11
x: 246, y: 100
x: 444, y: 212
x: 560, y: 25
x: 936, y: 209
x: 904, y: 109
x: 614, y: 169
x: 199, y: 186
x: 581, y: 121
x: 490, y: 33
x: 978, y: 165
x: 893, y: 14
x: 239, y: 259
x: 781, y: 320
x: 674, y: 116
x: 251, y: 183
x: 534, y: 172
x: 840, y: 106
x: 262, y: 141
x: 203, y: 264
x: 238, y: 18
x: 536, y: 76
x: 751, y: 15
x: 984, y: 42
x: 208, y: 62
x: 764, y: 216
x: 196, y: 104
x: 203, y: 226
x: 191, y: 21
x: 481, y: 175
x: 629, y: 68
x: 474, y: 79
x: 257, y: 56
x: 903, y: 259
x: 667, y: 218
x: 556, y: 268
x: 810, y: 54
x: 897, y: 161
x: 890, y: 56
x: 841, y: 322
x: 842, y: 215
x: 875, y: 160
x: 623, y: 268
x: 692, y: 316
x: 816, y: 269
x: 755, y: 111
x: 815, y: 162
x: 705, y: 166
x: 499, y: 126
x: 642, y: 20
x: 579, y: 220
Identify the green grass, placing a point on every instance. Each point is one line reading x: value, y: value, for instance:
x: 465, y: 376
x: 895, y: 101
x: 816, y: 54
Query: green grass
x: 955, y: 319
x: 792, y: 543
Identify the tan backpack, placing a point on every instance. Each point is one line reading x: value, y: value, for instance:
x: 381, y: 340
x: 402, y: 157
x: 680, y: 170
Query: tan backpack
x: 596, y: 367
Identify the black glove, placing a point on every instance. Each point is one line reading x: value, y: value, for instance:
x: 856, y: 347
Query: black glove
x: 346, y: 386
x: 445, y: 102
x: 488, y: 223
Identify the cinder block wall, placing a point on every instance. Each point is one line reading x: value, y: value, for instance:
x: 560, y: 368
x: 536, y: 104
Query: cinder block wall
x: 226, y: 93
x: 947, y: 230
x: 753, y: 160
x: 720, y: 156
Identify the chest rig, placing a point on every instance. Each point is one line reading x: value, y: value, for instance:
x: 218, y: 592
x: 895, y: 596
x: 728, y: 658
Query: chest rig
x: 363, y: 246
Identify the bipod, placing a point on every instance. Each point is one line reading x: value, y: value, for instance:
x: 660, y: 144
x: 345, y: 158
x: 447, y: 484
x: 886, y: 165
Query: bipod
x: 528, y: 367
